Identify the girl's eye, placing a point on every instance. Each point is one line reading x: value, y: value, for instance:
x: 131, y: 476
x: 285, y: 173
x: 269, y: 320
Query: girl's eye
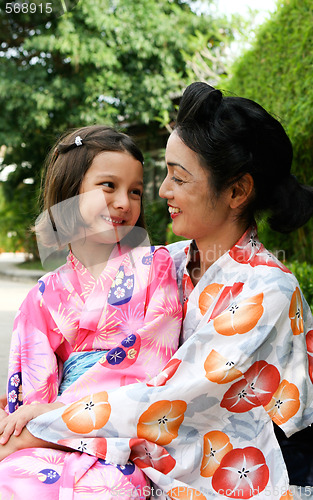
x: 137, y: 192
x: 108, y: 184
x: 175, y: 179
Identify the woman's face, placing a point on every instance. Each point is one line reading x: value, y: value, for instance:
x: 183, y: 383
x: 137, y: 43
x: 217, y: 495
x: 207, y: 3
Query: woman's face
x: 196, y: 212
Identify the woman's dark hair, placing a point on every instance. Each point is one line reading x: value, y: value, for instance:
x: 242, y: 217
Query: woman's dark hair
x: 233, y: 136
x: 66, y: 166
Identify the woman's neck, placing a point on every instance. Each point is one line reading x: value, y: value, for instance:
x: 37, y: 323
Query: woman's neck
x: 212, y: 248
x: 94, y: 256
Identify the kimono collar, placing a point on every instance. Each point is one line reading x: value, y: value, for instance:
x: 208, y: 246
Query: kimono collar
x: 247, y: 245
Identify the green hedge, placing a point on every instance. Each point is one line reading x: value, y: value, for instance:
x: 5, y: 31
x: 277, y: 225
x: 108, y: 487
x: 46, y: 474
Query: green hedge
x: 277, y: 73
x: 304, y: 273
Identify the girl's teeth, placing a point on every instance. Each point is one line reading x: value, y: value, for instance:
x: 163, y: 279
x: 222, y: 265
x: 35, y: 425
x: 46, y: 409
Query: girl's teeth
x: 112, y: 220
x: 173, y: 210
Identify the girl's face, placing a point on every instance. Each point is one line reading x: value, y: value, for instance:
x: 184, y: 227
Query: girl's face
x: 110, y: 196
x: 195, y: 211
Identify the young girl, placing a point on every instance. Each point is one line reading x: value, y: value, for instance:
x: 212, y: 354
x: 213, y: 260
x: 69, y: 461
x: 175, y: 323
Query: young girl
x: 108, y: 317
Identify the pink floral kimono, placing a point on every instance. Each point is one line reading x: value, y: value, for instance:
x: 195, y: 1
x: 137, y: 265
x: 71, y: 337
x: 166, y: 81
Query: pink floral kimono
x: 203, y: 427
x: 74, y: 335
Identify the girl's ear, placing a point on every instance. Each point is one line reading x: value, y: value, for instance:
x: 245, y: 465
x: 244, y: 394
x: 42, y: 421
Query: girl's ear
x: 241, y: 191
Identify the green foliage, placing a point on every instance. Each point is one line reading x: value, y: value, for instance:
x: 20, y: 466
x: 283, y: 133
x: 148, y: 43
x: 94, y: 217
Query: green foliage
x: 170, y: 236
x: 156, y: 215
x: 304, y: 274
x: 277, y: 73
x: 116, y: 62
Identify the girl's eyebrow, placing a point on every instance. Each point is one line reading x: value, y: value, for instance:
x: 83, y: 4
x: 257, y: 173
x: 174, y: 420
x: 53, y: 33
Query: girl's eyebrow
x: 112, y: 176
x: 173, y: 164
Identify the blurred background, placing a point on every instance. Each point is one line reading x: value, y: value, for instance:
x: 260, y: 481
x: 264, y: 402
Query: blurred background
x: 126, y: 64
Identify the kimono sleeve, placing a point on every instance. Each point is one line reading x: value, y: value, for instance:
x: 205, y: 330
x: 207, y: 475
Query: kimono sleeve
x: 247, y: 342
x: 33, y: 366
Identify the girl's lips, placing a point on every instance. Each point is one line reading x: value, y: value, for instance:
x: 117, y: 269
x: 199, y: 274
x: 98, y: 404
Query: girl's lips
x: 113, y: 220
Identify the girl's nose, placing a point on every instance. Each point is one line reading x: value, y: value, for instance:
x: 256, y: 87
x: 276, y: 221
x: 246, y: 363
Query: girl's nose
x: 122, y: 202
x: 165, y: 190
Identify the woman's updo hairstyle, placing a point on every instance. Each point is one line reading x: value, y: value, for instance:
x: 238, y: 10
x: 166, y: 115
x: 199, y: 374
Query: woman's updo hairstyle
x: 233, y: 136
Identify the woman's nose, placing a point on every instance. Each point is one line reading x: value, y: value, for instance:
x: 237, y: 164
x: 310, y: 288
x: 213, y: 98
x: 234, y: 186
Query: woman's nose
x: 165, y: 191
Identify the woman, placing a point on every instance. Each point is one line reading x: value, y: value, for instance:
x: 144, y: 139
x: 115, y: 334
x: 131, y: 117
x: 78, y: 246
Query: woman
x: 203, y: 428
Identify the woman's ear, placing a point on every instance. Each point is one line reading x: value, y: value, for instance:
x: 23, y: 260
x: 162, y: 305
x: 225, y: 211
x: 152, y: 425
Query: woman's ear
x: 241, y: 191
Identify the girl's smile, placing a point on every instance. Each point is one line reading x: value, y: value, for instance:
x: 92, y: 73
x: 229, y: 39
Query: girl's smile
x: 110, y: 196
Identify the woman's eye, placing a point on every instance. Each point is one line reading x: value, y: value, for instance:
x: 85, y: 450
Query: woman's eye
x: 177, y: 180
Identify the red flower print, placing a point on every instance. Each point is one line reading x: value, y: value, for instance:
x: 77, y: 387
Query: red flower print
x: 255, y: 389
x: 89, y: 413
x: 94, y: 446
x: 284, y: 404
x: 309, y: 345
x: 241, y: 317
x: 146, y: 454
x: 265, y: 258
x: 216, y: 445
x: 296, y: 312
x: 218, y: 369
x: 208, y: 296
x: 250, y: 251
x: 185, y: 493
x: 167, y: 373
x: 187, y: 287
x: 160, y: 422
x: 245, y: 249
x: 226, y: 298
x: 243, y: 473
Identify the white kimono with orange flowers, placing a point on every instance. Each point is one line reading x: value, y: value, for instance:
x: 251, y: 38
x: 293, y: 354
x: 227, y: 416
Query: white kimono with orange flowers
x: 203, y: 427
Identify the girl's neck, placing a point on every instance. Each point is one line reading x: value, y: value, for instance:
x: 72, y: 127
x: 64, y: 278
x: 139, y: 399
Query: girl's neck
x: 93, y: 256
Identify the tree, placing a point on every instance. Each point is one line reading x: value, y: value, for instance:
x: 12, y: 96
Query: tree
x: 277, y: 73
x: 112, y: 61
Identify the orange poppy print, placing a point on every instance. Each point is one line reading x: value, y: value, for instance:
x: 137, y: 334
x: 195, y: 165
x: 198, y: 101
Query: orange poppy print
x: 208, y: 296
x: 287, y: 496
x: 220, y: 370
x: 284, y: 403
x: 89, y: 413
x: 216, y: 445
x: 240, y: 317
x: 185, y: 493
x: 161, y: 421
x: 296, y: 313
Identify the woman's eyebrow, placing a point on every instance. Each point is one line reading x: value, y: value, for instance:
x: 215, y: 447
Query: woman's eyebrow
x: 173, y: 164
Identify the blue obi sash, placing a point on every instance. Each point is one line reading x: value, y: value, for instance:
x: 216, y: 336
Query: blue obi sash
x: 77, y: 364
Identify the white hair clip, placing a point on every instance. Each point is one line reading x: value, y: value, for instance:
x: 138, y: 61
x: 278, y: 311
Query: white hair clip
x: 78, y: 141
